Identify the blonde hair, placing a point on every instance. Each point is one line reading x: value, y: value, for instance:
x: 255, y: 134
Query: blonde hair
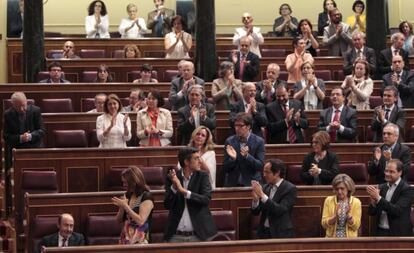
x: 208, y: 145
x: 346, y: 180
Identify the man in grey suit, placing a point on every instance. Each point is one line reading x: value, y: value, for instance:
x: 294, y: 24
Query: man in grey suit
x: 274, y: 201
x: 359, y: 51
x: 337, y: 36
x: 339, y: 120
x: 386, y: 56
x: 159, y: 20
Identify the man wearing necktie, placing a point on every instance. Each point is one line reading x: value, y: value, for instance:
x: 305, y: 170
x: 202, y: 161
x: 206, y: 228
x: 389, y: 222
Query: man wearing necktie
x: 159, y: 20
x: 403, y: 80
x: 64, y: 237
x: 360, y: 50
x: 274, y: 201
x: 385, y: 57
x: 391, y: 202
x: 389, y: 111
x: 266, y: 89
x: 246, y: 63
x: 390, y: 149
x: 339, y: 120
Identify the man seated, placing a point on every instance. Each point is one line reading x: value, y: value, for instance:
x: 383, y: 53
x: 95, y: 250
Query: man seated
x: 159, y: 20
x: 194, y: 114
x: 246, y: 63
x: 337, y: 35
x: 55, y: 74
x: 64, y: 237
x: 391, y: 202
x: 359, y: 51
x: 339, y: 120
x: 187, y: 196
x: 390, y: 149
x: 244, y: 154
x: 23, y: 126
x: 99, y: 103
x: 388, y: 112
x: 275, y: 201
x: 403, y: 80
x: 386, y: 56
x: 286, y: 118
x: 250, y: 31
x: 137, y: 101
x: 266, y: 89
x: 250, y: 106
x: 68, y: 51
x: 179, y: 86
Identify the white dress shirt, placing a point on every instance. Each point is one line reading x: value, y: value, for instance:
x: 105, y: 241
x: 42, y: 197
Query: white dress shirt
x: 133, y: 33
x: 256, y: 39
x: 103, y: 27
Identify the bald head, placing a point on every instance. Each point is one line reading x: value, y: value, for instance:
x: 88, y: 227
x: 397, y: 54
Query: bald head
x: 397, y: 63
x: 65, y: 225
x: 19, y: 102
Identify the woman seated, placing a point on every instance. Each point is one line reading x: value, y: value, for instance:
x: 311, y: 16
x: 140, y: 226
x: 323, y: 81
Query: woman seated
x: 131, y: 51
x: 135, y: 207
x: 102, y: 75
x: 357, y: 22
x: 305, y: 30
x: 113, y: 129
x: 97, y: 23
x: 406, y: 28
x: 177, y: 43
x: 285, y: 25
x: 132, y: 27
x: 146, y: 72
x: 321, y: 165
x: 341, y: 216
x: 310, y: 90
x: 154, y: 124
x: 296, y: 59
x: 226, y: 89
x: 358, y: 86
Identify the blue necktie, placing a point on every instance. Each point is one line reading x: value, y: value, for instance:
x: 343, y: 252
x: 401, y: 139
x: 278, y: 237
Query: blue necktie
x: 158, y: 26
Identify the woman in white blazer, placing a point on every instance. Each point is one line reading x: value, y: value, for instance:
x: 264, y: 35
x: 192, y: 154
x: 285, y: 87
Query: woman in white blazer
x: 97, y: 23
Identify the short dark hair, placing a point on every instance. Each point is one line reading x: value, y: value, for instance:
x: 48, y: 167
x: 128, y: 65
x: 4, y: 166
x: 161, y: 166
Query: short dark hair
x: 358, y: 2
x: 339, y: 88
x: 157, y: 95
x: 146, y: 67
x: 282, y: 5
x: 296, y: 40
x: 92, y: 7
x: 245, y: 118
x: 54, y: 64
x: 305, y: 20
x: 277, y: 165
x: 324, y: 3
x: 114, y: 97
x: 181, y: 19
x: 185, y: 154
x: 398, y: 163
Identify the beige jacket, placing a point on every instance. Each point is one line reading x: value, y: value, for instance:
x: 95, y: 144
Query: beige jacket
x: 222, y: 96
x: 164, y: 124
x: 359, y: 98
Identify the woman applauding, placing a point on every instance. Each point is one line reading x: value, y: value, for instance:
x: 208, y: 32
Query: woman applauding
x: 97, y: 23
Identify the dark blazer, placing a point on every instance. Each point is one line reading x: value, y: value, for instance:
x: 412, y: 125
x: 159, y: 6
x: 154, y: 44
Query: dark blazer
x: 323, y: 21
x: 278, y: 210
x: 186, y: 127
x: 48, y: 80
x: 291, y: 33
x: 400, y: 152
x: 259, y: 118
x: 348, y: 119
x: 397, y: 116
x: 385, y: 60
x: 259, y: 89
x: 52, y: 240
x: 12, y: 131
x: 176, y: 86
x: 405, y: 88
x: 248, y: 168
x: 398, y: 209
x: 351, y: 56
x: 329, y: 168
x: 201, y: 219
x: 166, y: 25
x: 251, y: 70
x: 277, y: 126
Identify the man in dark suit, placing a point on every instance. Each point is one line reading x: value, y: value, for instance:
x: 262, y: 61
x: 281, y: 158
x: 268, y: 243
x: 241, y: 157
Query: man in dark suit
x: 274, y: 201
x: 195, y: 114
x: 386, y: 56
x: 244, y: 154
x: 359, y: 51
x: 403, y: 80
x: 55, y: 74
x: 339, y: 120
x: 246, y: 63
x: 286, y: 118
x: 23, y: 126
x: 391, y: 149
x: 64, y: 237
x: 266, y: 89
x: 159, y: 20
x: 250, y: 106
x: 187, y: 196
x: 391, y: 203
x: 388, y: 112
x: 179, y: 86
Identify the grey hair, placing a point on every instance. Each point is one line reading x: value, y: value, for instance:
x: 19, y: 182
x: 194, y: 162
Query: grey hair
x: 362, y: 34
x: 18, y: 96
x: 395, y: 36
x: 247, y: 84
x: 224, y: 66
x: 393, y: 126
x: 197, y: 87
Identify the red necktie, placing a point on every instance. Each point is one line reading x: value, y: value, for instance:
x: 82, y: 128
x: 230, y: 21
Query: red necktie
x: 291, y: 132
x: 332, y: 133
x: 241, y: 71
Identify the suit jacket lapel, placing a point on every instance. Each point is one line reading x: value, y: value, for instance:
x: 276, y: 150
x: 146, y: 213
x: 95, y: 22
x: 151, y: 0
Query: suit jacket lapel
x: 343, y: 114
x: 328, y: 116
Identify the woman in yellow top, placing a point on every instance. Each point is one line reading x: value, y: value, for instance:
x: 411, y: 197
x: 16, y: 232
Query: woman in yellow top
x: 341, y: 215
x: 357, y: 22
